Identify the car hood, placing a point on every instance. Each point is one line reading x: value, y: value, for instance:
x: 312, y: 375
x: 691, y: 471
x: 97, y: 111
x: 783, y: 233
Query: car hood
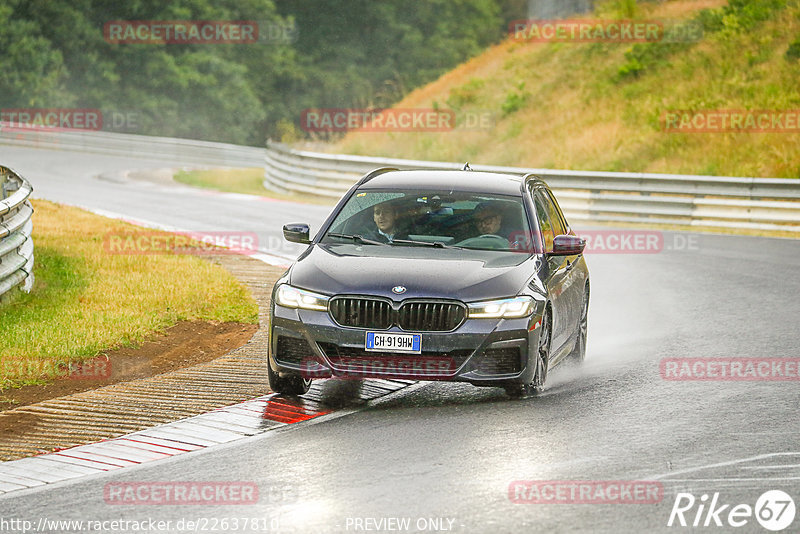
x: 425, y: 272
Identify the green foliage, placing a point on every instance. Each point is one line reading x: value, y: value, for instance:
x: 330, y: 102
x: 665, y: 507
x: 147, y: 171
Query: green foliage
x: 736, y: 17
x: 515, y: 99
x: 739, y: 15
x: 346, y: 53
x: 626, y: 9
x: 370, y: 54
x: 711, y: 19
x: 579, y: 115
x: 643, y: 56
x: 287, y: 131
x: 632, y: 66
x: 31, y: 68
x: 793, y: 52
x: 465, y: 94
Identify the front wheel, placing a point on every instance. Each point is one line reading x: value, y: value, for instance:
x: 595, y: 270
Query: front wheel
x: 288, y: 385
x: 536, y: 385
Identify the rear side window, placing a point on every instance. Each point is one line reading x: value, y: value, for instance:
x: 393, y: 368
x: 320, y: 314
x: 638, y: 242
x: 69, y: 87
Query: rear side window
x: 559, y: 228
x: 545, y: 226
x: 557, y: 209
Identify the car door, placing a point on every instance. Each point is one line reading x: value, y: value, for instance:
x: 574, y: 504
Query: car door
x: 572, y: 296
x: 556, y: 270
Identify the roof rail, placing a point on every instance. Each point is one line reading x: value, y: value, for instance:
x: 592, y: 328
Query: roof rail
x: 530, y: 176
x: 377, y: 172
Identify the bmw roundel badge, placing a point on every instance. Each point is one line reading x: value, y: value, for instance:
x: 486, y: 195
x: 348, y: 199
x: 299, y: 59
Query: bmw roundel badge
x: 398, y: 290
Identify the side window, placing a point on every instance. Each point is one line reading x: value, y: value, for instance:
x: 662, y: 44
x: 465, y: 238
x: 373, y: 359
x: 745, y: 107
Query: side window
x: 557, y: 214
x: 559, y: 228
x: 545, y: 226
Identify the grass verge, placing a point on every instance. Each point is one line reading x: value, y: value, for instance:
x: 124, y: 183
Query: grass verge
x: 601, y: 106
x: 248, y: 181
x: 86, y: 300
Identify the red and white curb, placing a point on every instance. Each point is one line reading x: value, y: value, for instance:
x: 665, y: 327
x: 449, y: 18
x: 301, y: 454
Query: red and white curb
x: 219, y: 426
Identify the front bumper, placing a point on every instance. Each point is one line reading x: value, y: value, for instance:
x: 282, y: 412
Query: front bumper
x: 480, y: 351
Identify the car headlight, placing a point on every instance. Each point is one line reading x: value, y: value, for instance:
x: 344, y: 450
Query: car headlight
x: 292, y: 297
x: 504, y: 308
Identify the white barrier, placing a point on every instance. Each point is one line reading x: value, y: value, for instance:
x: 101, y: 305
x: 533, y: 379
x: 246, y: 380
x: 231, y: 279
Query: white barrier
x: 712, y: 201
x: 16, y: 244
x: 137, y: 146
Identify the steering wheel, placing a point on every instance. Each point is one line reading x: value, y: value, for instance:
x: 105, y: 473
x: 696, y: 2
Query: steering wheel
x: 485, y: 241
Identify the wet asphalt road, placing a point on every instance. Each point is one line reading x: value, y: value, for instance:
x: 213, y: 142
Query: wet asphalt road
x: 97, y: 182
x: 442, y: 456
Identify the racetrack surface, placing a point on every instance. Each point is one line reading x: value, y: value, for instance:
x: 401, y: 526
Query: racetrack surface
x: 438, y: 450
x: 99, y: 183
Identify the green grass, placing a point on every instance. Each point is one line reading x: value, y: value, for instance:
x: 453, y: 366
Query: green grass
x: 599, y: 106
x: 86, y: 300
x: 247, y: 181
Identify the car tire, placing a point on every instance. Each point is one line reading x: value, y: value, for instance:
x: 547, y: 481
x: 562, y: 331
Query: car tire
x: 578, y: 354
x: 287, y: 385
x: 536, y: 385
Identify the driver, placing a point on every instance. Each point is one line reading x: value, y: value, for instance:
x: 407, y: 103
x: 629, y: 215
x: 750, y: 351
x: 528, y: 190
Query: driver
x: 386, y: 216
x: 488, y: 218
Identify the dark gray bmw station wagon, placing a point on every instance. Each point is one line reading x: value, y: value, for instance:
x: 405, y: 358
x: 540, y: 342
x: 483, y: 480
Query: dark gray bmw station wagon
x: 433, y: 275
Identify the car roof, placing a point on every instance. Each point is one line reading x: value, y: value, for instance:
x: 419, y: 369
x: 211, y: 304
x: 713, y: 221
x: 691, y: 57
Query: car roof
x: 442, y: 180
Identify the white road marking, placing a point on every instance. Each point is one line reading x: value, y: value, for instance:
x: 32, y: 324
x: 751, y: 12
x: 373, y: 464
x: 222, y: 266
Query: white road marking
x: 725, y: 464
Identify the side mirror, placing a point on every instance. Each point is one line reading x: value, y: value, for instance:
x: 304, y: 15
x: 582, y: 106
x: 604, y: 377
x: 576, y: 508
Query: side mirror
x: 568, y: 245
x: 296, y: 233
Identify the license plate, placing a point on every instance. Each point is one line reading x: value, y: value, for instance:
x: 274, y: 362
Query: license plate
x: 409, y: 343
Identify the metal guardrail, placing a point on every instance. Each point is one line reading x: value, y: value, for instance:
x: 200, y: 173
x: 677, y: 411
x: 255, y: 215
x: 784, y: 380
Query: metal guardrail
x: 16, y: 244
x: 710, y: 201
x: 186, y: 151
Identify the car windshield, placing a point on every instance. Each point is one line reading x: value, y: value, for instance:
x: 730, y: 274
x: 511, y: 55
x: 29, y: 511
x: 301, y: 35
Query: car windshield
x: 466, y: 220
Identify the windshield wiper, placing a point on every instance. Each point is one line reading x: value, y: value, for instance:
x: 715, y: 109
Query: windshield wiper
x: 435, y: 244
x: 356, y: 237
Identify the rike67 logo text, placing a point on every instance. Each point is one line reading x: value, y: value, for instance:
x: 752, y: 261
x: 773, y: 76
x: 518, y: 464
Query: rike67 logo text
x: 774, y: 510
